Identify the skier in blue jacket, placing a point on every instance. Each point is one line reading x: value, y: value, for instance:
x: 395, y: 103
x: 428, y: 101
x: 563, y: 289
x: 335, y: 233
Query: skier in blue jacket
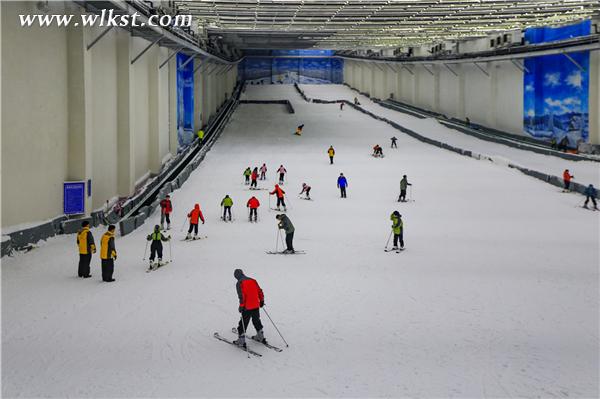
x: 342, y: 183
x: 590, y: 193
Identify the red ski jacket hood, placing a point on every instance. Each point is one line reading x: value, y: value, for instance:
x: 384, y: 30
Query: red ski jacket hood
x: 196, y: 214
x: 253, y: 203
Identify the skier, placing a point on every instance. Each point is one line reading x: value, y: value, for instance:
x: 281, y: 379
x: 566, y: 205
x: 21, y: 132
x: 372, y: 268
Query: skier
x: 403, y: 186
x: 156, y: 247
x: 282, y: 173
x: 377, y: 151
x: 299, y: 130
x: 254, y: 177
x: 286, y: 225
x: 200, y: 135
x: 590, y: 193
x: 356, y: 101
x: 253, y: 205
x: 263, y: 172
x: 251, y: 300
x: 247, y: 174
x: 331, y: 153
x: 165, y: 211
x: 567, y: 179
x: 87, y: 247
x: 398, y: 229
x: 194, y: 215
x: 341, y: 106
x: 108, y: 254
x: 394, y: 139
x: 305, y: 189
x: 342, y: 183
x: 280, y: 197
x: 226, y: 203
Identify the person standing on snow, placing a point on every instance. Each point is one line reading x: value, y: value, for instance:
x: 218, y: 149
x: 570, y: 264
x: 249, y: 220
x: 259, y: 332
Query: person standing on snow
x: 377, y: 151
x: 305, y: 189
x: 286, y: 225
x: 227, y: 203
x: 166, y: 207
x: 590, y: 194
x: 394, y: 139
x: 87, y: 247
x: 331, y: 153
x: 263, y: 172
x: 253, y: 205
x: 398, y: 229
x: 254, y: 177
x: 251, y: 299
x: 246, y: 175
x: 282, y: 171
x: 156, y: 247
x: 342, y: 183
x: 194, y: 215
x: 299, y: 130
x: 341, y: 106
x: 403, y: 186
x: 108, y: 254
x: 280, y: 197
x: 567, y: 179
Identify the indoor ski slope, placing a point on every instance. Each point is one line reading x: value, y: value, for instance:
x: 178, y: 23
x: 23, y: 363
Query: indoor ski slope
x: 496, y: 294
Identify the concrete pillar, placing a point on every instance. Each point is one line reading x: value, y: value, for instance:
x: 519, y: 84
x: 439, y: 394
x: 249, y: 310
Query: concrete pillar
x: 79, y: 94
x: 461, y: 108
x: 198, y: 94
x: 492, y: 69
x: 398, y: 85
x: 436, y: 87
x: 173, y: 140
x: 594, y: 98
x: 206, y: 98
x: 125, y: 140
x: 154, y: 157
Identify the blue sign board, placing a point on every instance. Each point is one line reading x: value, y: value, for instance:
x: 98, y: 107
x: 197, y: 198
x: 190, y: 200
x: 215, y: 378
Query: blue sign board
x: 74, y: 197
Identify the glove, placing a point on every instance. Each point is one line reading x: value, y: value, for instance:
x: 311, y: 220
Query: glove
x: 241, y: 309
x: 202, y: 222
x: 262, y: 303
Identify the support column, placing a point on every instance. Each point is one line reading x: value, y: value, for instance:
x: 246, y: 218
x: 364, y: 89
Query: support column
x: 79, y: 94
x: 492, y: 68
x: 154, y: 158
x: 594, y: 98
x: 173, y: 141
x: 461, y: 108
x: 206, y: 90
x: 198, y: 93
x: 125, y: 142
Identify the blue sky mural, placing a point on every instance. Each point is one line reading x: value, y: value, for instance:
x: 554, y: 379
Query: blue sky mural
x: 185, y: 101
x: 556, y: 91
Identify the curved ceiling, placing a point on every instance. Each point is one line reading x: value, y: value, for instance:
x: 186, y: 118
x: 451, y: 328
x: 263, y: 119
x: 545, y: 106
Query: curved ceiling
x: 345, y: 24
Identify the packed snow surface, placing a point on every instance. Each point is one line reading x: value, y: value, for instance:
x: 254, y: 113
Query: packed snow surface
x: 496, y: 294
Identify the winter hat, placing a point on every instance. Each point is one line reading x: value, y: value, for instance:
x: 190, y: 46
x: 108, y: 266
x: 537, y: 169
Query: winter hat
x: 238, y: 273
x: 156, y: 227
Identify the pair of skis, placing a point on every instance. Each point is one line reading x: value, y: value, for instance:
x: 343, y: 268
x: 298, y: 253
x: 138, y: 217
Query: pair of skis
x: 194, y: 238
x: 296, y: 252
x: 248, y: 350
x: 397, y: 250
x: 157, y: 266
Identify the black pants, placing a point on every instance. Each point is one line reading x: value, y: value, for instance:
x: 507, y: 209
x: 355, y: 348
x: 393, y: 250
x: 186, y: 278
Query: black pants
x: 402, y: 195
x: 280, y: 201
x: 193, y: 227
x: 307, y: 193
x: 262, y: 176
x: 226, y: 210
x: 567, y: 184
x: 587, y: 199
x: 331, y: 160
x: 394, y: 144
x: 253, y: 184
x: 253, y: 314
x: 163, y: 217
x: 281, y: 176
x: 253, y: 211
x: 398, y: 237
x: 84, y: 264
x: 155, y: 248
x: 289, y: 238
x: 247, y: 179
x: 343, y: 191
x: 108, y: 267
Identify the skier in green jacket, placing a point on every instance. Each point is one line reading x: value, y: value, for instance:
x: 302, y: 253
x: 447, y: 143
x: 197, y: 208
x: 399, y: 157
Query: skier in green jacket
x: 227, y: 203
x: 403, y: 186
x: 247, y: 173
x: 398, y: 229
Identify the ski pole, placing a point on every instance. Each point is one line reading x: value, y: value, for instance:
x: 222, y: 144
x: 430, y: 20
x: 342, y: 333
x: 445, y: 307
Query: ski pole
x: 388, y: 240
x: 283, y: 245
x: 183, y: 225
x: 170, y: 250
x: 244, y: 329
x: 145, y: 250
x: 277, y: 240
x: 267, y: 313
x: 411, y: 193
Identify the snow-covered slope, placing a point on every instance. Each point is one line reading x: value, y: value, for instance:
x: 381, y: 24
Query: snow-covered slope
x: 496, y: 294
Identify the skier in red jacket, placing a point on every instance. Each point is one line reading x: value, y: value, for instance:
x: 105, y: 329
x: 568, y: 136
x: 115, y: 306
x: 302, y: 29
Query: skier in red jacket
x: 280, y: 200
x: 253, y: 205
x: 165, y: 211
x: 251, y: 300
x: 194, y: 216
x: 254, y: 177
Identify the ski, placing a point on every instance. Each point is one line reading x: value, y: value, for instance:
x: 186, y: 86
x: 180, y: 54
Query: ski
x: 589, y: 209
x: 194, y: 239
x: 306, y: 199
x: 276, y: 349
x: 278, y: 210
x: 296, y: 252
x: 395, y: 250
x: 217, y: 336
x: 257, y: 189
x: 156, y: 267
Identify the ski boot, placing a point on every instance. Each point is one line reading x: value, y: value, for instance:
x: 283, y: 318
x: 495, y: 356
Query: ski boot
x: 188, y: 237
x: 195, y: 236
x: 260, y: 337
x: 150, y: 265
x: 241, y: 341
x: 160, y: 263
x: 168, y: 226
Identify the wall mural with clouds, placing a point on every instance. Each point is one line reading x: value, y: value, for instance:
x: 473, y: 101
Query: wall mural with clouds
x: 556, y: 91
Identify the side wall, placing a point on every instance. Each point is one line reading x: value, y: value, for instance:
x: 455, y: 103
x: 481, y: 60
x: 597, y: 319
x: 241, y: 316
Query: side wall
x: 69, y: 113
